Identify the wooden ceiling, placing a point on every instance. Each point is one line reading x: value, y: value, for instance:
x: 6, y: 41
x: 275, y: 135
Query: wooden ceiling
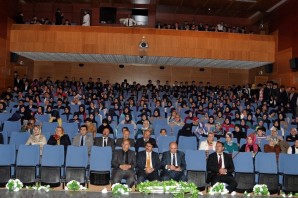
x: 225, y: 8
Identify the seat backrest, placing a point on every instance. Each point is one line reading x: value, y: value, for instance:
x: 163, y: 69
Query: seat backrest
x: 289, y: 164
x: 77, y: 156
x: 49, y: 127
x: 100, y: 158
x: 5, y: 138
x: 195, y: 160
x: 158, y: 127
x: 153, y: 149
x: 71, y: 129
x: 266, y: 163
x: 10, y: 126
x: 130, y: 128
x: 8, y: 154
x: 164, y: 141
x: 18, y: 138
x: 186, y: 143
x: 176, y: 130
x: 42, y: 118
x: 243, y: 162
x: 28, y: 155
x: 52, y: 155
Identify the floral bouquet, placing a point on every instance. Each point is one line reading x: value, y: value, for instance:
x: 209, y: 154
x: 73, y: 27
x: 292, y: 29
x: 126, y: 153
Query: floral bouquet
x: 120, y: 189
x: 261, y: 189
x: 39, y: 188
x: 74, y: 185
x: 14, y: 185
x: 218, y: 188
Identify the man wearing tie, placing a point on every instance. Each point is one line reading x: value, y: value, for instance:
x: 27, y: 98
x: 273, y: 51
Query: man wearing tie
x: 220, y: 167
x: 173, y: 164
x: 148, y: 164
x: 105, y: 140
x: 141, y: 142
x: 123, y: 163
x: 82, y: 139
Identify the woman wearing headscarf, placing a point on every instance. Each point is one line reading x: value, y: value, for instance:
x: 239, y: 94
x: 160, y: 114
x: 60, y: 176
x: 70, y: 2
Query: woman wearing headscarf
x: 251, y: 145
x: 238, y: 133
x: 37, y: 138
x: 128, y: 120
x: 227, y: 125
x: 229, y: 145
x: 82, y: 111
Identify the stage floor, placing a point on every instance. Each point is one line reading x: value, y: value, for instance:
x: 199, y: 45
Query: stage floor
x: 92, y: 194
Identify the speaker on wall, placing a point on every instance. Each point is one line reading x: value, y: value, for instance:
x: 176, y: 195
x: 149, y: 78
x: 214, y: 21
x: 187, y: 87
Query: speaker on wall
x: 294, y: 63
x: 269, y: 68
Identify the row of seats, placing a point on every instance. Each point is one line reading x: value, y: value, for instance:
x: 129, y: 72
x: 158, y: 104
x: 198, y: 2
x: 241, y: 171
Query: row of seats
x: 56, y: 167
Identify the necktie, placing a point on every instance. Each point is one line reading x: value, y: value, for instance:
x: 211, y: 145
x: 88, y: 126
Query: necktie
x: 125, y: 160
x: 174, y: 160
x: 104, y: 142
x: 148, y: 161
x: 219, y: 162
x: 82, y: 141
x: 128, y: 22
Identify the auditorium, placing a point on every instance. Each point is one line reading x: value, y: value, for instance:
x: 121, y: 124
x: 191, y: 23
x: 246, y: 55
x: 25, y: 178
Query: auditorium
x: 155, y: 98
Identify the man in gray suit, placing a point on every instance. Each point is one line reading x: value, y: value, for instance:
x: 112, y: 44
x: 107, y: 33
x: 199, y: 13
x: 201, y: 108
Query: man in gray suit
x: 123, y: 163
x: 173, y: 164
x: 105, y: 140
x: 126, y: 135
x: 83, y: 139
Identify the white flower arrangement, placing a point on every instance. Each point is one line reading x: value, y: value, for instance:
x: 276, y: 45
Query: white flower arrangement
x: 261, y: 189
x: 74, y: 185
x: 218, y: 188
x: 14, y: 185
x: 39, y: 188
x: 120, y: 189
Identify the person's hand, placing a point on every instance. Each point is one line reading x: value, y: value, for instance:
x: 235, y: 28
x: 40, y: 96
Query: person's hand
x: 222, y: 171
x: 149, y: 170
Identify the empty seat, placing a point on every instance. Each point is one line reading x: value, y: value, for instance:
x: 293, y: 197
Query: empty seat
x: 7, y: 162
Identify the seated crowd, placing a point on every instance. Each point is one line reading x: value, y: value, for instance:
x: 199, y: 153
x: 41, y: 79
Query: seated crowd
x: 220, y: 119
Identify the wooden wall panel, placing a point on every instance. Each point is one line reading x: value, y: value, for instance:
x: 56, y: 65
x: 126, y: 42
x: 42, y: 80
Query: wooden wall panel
x: 112, y: 40
x: 140, y: 74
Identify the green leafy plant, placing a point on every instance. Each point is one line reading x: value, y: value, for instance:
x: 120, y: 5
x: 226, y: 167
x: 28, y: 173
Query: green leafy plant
x: 120, y: 189
x: 178, y: 189
x: 218, y: 188
x: 261, y: 189
x: 74, y: 185
x: 39, y: 187
x: 14, y: 185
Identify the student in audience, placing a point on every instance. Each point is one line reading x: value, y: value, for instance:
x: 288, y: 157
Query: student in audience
x: 293, y: 149
x: 128, y: 120
x: 86, y: 18
x: 141, y: 142
x: 90, y: 127
x: 105, y: 124
x: 272, y: 147
x: 105, y: 140
x: 76, y: 119
x: 284, y: 145
x: 59, y: 138
x: 229, y: 145
x: 67, y: 112
x: 208, y: 144
x: 146, y: 126
x: 55, y: 117
x: 293, y: 136
x: 123, y: 164
x: 126, y: 136
x: 250, y: 145
x: 37, y: 138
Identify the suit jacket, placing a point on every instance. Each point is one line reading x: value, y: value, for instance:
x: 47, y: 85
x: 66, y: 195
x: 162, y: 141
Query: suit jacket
x: 98, y: 141
x: 166, y: 160
x: 117, y: 159
x: 141, y: 143
x: 142, y: 158
x: 212, y: 165
x: 88, y: 141
x: 119, y: 142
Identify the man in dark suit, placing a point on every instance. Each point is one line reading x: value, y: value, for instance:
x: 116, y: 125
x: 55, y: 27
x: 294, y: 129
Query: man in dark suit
x: 148, y: 164
x: 123, y: 163
x: 126, y: 135
x: 142, y: 141
x: 220, y: 167
x: 105, y: 140
x: 173, y: 164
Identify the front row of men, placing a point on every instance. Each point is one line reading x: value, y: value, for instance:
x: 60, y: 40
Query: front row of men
x: 220, y: 165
